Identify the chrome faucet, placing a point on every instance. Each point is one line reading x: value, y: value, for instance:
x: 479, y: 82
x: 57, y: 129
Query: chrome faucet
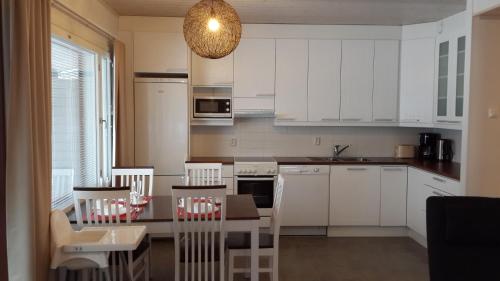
x: 338, y: 149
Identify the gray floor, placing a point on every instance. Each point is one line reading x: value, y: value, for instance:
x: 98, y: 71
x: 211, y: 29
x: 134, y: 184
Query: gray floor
x: 329, y: 259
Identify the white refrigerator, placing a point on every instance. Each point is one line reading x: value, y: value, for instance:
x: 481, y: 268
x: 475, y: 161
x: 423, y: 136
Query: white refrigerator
x: 161, y: 129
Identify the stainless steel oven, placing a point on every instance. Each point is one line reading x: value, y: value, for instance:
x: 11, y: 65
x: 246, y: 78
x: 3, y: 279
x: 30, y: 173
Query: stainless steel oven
x: 212, y: 107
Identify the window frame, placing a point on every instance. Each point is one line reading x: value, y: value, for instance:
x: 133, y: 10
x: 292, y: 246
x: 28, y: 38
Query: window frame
x: 100, y: 55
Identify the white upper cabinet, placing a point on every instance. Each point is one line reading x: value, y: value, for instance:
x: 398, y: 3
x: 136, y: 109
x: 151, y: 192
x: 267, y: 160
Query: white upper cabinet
x: 450, y: 69
x: 386, y: 81
x: 357, y: 80
x: 254, y: 68
x: 159, y: 52
x: 291, y: 79
x: 417, y: 81
x: 211, y: 72
x: 325, y: 58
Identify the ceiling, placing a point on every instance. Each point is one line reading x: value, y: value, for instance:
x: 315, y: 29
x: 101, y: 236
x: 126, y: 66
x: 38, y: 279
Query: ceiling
x: 372, y: 12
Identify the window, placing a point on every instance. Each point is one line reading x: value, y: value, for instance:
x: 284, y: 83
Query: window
x: 76, y: 121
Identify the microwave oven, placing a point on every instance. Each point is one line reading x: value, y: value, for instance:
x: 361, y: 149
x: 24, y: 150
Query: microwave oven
x: 212, y: 107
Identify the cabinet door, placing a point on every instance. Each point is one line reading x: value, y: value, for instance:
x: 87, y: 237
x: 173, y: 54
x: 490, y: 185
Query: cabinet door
x: 414, y: 209
x: 443, y: 80
x: 211, y: 72
x: 254, y: 68
x: 160, y: 52
x: 386, y: 81
x: 291, y: 79
x: 357, y: 80
x: 460, y: 76
x: 417, y: 80
x: 306, y: 190
x: 393, y: 180
x: 450, y: 69
x: 355, y: 195
x: 324, y: 80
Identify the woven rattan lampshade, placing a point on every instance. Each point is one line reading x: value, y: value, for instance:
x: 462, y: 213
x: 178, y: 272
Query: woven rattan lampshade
x: 212, y: 29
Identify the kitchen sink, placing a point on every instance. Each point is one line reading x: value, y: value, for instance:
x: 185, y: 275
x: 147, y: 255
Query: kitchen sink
x: 340, y: 159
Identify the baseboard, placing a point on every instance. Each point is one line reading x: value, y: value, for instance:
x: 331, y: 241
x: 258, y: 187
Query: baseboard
x: 420, y: 239
x: 303, y: 231
x: 367, y: 231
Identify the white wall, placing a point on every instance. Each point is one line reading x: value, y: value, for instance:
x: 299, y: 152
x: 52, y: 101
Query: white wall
x: 96, y: 12
x: 258, y: 137
x: 483, y: 176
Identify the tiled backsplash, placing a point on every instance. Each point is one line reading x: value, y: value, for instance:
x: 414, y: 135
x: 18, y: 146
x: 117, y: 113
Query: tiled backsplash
x: 258, y: 137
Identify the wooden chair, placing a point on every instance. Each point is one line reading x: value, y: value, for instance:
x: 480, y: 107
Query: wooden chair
x: 203, y: 173
x: 62, y: 234
x: 199, y: 235
x: 238, y: 244
x: 99, y: 211
x: 140, y: 177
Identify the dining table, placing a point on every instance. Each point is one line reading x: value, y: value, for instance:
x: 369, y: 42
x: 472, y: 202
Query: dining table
x: 241, y: 216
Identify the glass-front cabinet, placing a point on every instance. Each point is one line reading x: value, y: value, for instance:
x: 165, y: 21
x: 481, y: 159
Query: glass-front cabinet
x: 449, y: 86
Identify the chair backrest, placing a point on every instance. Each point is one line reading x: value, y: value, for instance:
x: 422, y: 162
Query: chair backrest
x: 277, y: 207
x: 463, y: 237
x: 62, y: 183
x: 204, y: 173
x: 103, y: 205
x: 140, y: 177
x: 199, y: 214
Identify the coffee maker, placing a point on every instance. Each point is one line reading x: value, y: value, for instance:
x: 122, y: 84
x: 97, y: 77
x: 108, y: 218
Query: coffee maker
x: 428, y: 145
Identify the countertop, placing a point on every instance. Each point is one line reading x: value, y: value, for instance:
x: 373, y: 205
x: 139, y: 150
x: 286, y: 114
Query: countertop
x: 445, y: 169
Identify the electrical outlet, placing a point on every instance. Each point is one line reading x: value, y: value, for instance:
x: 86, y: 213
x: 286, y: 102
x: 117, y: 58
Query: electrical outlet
x: 317, y: 140
x: 492, y: 113
x: 234, y: 142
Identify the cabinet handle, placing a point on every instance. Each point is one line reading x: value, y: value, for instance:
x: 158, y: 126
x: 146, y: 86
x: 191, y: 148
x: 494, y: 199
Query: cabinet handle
x: 448, y: 121
x: 330, y: 119
x: 351, y: 119
x: 439, y: 180
x: 356, y: 169
x: 438, y: 194
x: 410, y: 120
x: 265, y: 95
x: 285, y: 119
x: 384, y: 119
x: 393, y: 169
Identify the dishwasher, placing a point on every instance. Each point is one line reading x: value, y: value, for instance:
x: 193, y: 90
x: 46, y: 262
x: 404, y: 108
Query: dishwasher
x: 306, y: 195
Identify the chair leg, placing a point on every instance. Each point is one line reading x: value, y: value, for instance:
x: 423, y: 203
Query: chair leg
x: 275, y: 266
x: 107, y: 275
x: 150, y: 269
x: 147, y: 265
x: 230, y: 267
x: 62, y: 273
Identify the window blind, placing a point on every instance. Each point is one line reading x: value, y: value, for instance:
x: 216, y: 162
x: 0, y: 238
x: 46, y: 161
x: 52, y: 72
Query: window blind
x: 74, y: 124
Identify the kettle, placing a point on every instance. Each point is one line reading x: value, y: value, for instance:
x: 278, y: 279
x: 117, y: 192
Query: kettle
x: 444, y: 150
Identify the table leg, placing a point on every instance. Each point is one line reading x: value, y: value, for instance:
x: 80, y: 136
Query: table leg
x: 254, y: 252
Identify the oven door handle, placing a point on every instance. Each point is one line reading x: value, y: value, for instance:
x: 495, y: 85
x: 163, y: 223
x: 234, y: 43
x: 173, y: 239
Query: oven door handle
x: 239, y: 178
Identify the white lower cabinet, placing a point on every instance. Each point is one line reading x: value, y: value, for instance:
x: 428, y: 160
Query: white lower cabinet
x: 305, y: 195
x: 228, y: 179
x: 393, y: 187
x: 355, y: 195
x: 418, y: 191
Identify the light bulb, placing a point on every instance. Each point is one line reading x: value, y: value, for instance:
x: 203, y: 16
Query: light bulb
x: 213, y: 25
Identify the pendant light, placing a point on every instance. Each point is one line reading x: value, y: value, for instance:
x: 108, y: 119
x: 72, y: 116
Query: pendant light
x: 212, y: 29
